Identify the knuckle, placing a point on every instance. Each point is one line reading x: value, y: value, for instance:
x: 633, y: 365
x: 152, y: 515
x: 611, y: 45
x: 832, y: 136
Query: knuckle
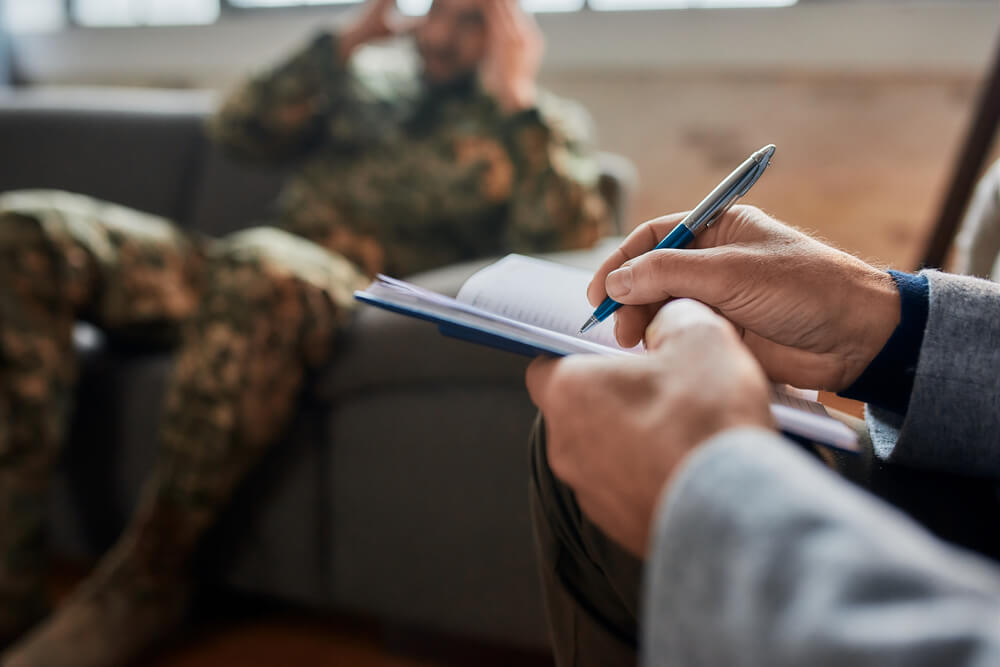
x: 747, y: 210
x: 560, y: 462
x: 649, y: 273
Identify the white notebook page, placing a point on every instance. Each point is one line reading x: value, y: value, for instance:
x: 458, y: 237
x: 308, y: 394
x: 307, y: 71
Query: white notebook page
x: 547, y: 295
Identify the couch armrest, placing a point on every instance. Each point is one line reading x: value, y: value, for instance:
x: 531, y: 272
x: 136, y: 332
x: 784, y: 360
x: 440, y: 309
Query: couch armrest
x: 617, y: 183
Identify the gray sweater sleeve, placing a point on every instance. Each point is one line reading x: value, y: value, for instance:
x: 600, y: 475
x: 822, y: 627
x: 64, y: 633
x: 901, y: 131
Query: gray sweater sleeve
x: 760, y: 556
x: 953, y: 422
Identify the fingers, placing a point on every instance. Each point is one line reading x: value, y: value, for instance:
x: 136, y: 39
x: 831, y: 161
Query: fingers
x: 707, y: 275
x: 405, y: 25
x: 381, y: 8
x: 740, y: 224
x: 631, y: 323
x: 682, y: 317
x: 498, y: 18
x: 538, y: 377
x: 792, y: 365
x: 508, y: 23
x: 642, y: 239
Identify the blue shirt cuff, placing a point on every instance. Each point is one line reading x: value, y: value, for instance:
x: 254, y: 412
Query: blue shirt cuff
x: 888, y: 381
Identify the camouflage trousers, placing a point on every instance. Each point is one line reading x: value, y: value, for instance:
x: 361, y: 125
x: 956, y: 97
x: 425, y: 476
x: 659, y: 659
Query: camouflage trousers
x: 253, y: 312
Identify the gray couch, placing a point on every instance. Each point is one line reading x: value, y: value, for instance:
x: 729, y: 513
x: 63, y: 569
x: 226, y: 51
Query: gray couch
x: 400, y: 492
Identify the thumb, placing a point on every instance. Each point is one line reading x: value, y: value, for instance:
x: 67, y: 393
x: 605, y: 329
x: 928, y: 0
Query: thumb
x: 537, y: 378
x: 707, y: 275
x: 685, y: 317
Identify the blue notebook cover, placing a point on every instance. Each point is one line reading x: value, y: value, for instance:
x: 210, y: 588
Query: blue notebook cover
x: 463, y: 331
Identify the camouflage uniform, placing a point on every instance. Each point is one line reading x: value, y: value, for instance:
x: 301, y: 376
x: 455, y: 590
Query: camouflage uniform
x: 395, y: 177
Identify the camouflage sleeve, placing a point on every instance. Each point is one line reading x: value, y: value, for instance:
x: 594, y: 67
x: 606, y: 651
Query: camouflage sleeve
x: 279, y: 114
x: 555, y: 203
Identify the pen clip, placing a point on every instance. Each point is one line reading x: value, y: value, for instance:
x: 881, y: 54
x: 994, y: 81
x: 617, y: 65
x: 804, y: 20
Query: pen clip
x: 741, y: 189
x: 718, y: 214
x: 753, y: 177
x: 738, y: 191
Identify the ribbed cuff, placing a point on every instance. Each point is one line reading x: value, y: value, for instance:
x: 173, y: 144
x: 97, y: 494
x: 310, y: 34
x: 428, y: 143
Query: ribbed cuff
x: 888, y: 381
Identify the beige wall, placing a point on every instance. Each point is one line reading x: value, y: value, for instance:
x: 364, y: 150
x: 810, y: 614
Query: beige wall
x: 861, y: 159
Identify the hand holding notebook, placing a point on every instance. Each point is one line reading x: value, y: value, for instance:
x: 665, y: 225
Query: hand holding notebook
x: 533, y: 307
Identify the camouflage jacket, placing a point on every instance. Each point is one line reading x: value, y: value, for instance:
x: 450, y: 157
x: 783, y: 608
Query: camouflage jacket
x: 399, y: 177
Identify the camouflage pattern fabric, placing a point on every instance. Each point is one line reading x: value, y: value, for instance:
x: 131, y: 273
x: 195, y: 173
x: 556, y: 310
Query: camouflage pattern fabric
x: 400, y: 178
x: 394, y: 177
x: 252, y: 313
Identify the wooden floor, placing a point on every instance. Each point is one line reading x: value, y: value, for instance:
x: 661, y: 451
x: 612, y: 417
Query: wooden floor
x: 256, y: 633
x: 862, y: 163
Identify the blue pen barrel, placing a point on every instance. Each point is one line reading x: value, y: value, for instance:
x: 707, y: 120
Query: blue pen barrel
x: 680, y: 237
x: 705, y: 213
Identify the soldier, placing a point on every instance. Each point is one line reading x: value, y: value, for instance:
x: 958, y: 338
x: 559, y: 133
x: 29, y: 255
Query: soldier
x: 399, y: 174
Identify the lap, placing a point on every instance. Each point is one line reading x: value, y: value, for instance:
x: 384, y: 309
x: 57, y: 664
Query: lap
x: 151, y: 276
x: 591, y: 584
x: 147, y: 269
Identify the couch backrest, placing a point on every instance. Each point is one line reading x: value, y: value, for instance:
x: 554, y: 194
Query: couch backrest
x: 231, y: 195
x: 134, y: 149
x: 142, y: 148
x: 147, y: 149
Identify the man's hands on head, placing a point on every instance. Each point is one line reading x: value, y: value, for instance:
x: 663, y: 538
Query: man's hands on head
x: 514, y: 56
x: 618, y: 428
x: 378, y: 19
x: 814, y: 316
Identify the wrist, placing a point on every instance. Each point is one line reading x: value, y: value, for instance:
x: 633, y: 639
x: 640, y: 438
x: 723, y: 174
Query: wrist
x: 748, y: 406
x: 888, y: 380
x: 518, y: 97
x: 347, y: 43
x: 875, y: 311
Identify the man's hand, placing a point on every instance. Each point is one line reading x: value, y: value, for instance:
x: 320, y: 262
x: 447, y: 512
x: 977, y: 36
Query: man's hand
x: 618, y: 428
x: 515, y: 53
x: 378, y: 20
x: 814, y: 316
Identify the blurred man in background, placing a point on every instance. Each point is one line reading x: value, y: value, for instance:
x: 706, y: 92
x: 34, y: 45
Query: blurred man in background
x: 398, y: 174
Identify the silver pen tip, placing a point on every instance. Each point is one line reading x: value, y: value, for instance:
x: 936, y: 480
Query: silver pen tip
x: 588, y: 325
x: 764, y: 154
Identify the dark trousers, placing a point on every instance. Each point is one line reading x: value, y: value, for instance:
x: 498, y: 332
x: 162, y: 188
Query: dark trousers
x: 590, y: 584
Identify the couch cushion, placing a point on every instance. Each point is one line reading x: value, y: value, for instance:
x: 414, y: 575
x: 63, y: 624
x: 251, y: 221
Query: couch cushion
x: 137, y: 148
x: 428, y: 510
x: 232, y: 195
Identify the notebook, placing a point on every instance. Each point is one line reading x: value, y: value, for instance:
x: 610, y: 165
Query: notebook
x: 531, y: 306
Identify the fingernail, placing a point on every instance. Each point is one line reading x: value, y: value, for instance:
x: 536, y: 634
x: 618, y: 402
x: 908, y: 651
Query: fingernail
x: 619, y: 282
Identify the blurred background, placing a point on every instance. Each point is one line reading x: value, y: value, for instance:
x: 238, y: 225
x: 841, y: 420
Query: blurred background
x: 868, y: 101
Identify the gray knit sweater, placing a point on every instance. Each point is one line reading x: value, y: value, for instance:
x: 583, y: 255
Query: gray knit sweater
x: 761, y: 556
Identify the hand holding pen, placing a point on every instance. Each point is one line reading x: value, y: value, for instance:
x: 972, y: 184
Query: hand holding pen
x: 704, y: 214
x: 814, y: 316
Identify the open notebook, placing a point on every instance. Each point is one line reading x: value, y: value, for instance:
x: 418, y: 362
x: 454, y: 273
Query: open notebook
x: 531, y: 307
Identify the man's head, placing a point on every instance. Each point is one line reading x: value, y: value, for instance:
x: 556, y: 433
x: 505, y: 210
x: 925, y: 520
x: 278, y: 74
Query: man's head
x: 452, y: 39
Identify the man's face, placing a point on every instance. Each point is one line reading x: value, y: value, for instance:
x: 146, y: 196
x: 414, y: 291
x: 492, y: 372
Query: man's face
x: 452, y: 39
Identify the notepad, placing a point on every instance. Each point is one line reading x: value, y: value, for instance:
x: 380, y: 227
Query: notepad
x: 531, y: 306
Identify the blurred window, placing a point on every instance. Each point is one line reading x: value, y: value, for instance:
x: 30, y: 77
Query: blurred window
x: 32, y: 15
x: 144, y: 12
x: 414, y: 7
x: 49, y: 15
x: 420, y: 6
x: 620, y: 5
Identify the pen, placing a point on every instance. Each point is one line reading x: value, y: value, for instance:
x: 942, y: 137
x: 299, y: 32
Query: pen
x: 704, y: 214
